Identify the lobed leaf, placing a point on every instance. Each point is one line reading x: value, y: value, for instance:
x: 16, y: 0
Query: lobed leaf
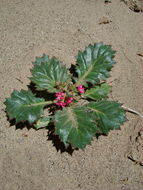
x: 110, y: 115
x: 75, y: 126
x: 94, y: 64
x: 42, y: 122
x: 49, y: 75
x: 98, y: 92
x: 24, y: 106
x: 40, y: 60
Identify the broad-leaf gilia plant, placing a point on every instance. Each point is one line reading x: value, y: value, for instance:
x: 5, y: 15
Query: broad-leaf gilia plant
x: 76, y: 104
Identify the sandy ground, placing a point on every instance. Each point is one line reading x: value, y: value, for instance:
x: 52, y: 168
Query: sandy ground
x: 29, y: 28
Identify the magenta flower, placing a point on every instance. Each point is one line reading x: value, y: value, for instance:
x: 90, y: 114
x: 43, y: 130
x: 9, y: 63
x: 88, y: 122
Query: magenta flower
x: 60, y: 96
x: 69, y: 100
x: 63, y: 101
x: 61, y: 104
x: 81, y: 89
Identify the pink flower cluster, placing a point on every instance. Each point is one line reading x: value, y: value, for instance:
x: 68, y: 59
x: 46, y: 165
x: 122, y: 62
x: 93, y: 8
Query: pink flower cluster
x: 63, y: 101
x: 81, y: 89
x: 60, y: 96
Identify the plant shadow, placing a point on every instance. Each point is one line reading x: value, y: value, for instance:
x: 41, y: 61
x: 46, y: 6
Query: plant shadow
x: 20, y: 125
x: 41, y: 94
x: 51, y: 136
x: 72, y: 70
x: 57, y: 142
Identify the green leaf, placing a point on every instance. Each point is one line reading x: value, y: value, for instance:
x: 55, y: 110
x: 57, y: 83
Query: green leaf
x: 98, y: 92
x: 42, y: 122
x: 110, y: 115
x: 75, y: 126
x: 24, y: 106
x: 43, y: 59
x: 49, y: 75
x: 94, y: 64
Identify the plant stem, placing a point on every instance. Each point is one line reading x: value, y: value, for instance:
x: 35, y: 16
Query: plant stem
x: 48, y: 102
x: 42, y: 103
x: 132, y: 111
x: 76, y: 84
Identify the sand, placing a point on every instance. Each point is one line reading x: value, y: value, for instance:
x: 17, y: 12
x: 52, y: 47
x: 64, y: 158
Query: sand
x: 29, y: 28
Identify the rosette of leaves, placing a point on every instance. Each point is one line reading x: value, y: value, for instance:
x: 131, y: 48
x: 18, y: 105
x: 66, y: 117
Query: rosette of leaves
x: 87, y: 114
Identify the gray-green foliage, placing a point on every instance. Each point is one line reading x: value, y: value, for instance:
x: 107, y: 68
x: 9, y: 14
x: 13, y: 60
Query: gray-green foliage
x: 42, y: 122
x: 94, y: 64
x: 98, y: 92
x: 78, y: 126
x: 24, y: 106
x: 49, y: 75
x: 110, y: 115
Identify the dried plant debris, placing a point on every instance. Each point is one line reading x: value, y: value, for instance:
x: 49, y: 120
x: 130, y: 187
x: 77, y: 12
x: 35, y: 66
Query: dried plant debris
x: 107, y: 1
x: 104, y: 20
x: 134, y: 5
x: 140, y: 52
